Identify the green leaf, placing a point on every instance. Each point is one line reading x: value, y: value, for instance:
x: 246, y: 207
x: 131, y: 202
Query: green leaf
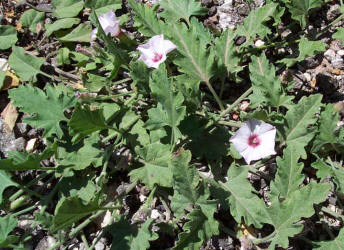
x: 89, y: 154
x: 20, y: 161
x: 242, y: 201
x: 299, y: 9
x: 306, y: 48
x: 67, y: 8
x: 85, y: 121
x: 8, y: 36
x: 267, y: 87
x: 126, y: 237
x: 25, y: 65
x: 5, y: 182
x: 339, y: 35
x: 31, y: 18
x: 156, y: 158
x: 146, y: 19
x: 103, y: 6
x: 64, y: 23
x: 197, y: 230
x: 297, y: 120
x: 285, y: 215
x: 81, y: 33
x: 175, y: 10
x: 169, y: 111
x: 330, y: 169
x: 70, y: 210
x: 2, y: 79
x: 196, y: 61
x: 139, y: 72
x: 144, y: 235
x: 7, y: 224
x: 328, y: 135
x: 288, y: 177
x: 227, y: 52
x: 254, y: 24
x: 188, y: 191
x: 46, y: 108
x: 335, y: 244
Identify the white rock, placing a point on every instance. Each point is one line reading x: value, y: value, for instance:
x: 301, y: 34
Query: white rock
x: 99, y: 246
x: 330, y: 54
x: 340, y: 52
x: 142, y: 197
x: 307, y: 76
x: 31, y: 145
x: 155, y: 214
x: 3, y: 64
x: 259, y: 43
x: 107, y: 219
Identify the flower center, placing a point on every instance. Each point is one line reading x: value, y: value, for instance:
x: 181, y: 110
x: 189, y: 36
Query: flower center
x: 253, y: 141
x: 157, y: 57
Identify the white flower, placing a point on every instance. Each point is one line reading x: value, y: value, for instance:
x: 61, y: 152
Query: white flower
x: 155, y: 50
x: 255, y: 140
x: 109, y: 24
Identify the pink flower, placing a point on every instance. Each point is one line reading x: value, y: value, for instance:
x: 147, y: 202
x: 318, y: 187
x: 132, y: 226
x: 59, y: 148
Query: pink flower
x: 155, y: 50
x: 255, y: 140
x: 109, y: 24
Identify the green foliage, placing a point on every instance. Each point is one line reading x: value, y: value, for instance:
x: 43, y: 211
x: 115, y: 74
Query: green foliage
x: 242, y: 201
x: 284, y: 215
x: 175, y: 10
x: 299, y: 117
x: 126, y: 237
x: 5, y: 182
x: 64, y: 23
x: 103, y: 6
x: 31, y: 18
x: 67, y: 8
x: 197, y: 230
x: 267, y: 87
x: 55, y: 101
x: 19, y: 161
x: 328, y: 137
x: 288, y: 177
x: 339, y: 34
x: 254, y: 24
x: 156, y: 158
x: 25, y: 65
x: 85, y: 121
x: 7, y: 224
x: 306, y: 48
x: 70, y: 210
x: 8, y: 36
x: 169, y: 111
x: 81, y: 33
x: 146, y: 19
x: 299, y: 9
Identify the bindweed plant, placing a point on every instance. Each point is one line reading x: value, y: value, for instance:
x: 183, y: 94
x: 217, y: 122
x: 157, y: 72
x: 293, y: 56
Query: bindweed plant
x: 155, y: 110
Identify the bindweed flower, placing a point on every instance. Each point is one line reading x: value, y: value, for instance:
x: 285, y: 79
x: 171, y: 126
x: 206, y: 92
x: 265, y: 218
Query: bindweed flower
x: 255, y: 140
x: 155, y: 50
x: 109, y: 24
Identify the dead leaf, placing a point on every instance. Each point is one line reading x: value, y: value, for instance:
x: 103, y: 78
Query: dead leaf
x: 9, y: 14
x: 11, y: 81
x: 248, y: 230
x: 10, y: 115
x: 19, y: 27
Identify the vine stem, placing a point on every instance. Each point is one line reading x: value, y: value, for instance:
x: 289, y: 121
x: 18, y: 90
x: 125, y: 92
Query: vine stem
x: 329, y: 26
x: 234, y: 104
x: 212, y: 91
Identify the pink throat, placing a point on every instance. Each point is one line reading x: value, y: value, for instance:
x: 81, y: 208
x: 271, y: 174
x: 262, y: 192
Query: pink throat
x: 253, y: 141
x: 157, y: 57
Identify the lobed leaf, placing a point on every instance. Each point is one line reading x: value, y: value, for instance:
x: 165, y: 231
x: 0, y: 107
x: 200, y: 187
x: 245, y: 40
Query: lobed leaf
x: 8, y: 36
x: 5, y: 182
x: 30, y: 18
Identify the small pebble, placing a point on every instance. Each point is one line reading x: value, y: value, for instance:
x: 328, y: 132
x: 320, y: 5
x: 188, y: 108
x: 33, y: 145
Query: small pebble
x: 340, y: 52
x: 22, y: 127
x: 330, y: 54
x: 307, y: 76
x: 259, y: 43
x: 155, y: 214
x: 338, y: 62
x: 31, y: 145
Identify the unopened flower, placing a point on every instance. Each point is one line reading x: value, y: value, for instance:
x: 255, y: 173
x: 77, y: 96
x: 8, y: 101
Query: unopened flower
x: 155, y: 50
x: 255, y: 140
x: 109, y: 24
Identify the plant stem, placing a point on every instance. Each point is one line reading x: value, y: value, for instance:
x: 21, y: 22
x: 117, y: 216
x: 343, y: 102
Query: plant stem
x: 121, y: 81
x: 230, y: 123
x: 217, y: 98
x: 234, y: 104
x: 329, y: 26
x: 109, y: 97
x: 25, y: 210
